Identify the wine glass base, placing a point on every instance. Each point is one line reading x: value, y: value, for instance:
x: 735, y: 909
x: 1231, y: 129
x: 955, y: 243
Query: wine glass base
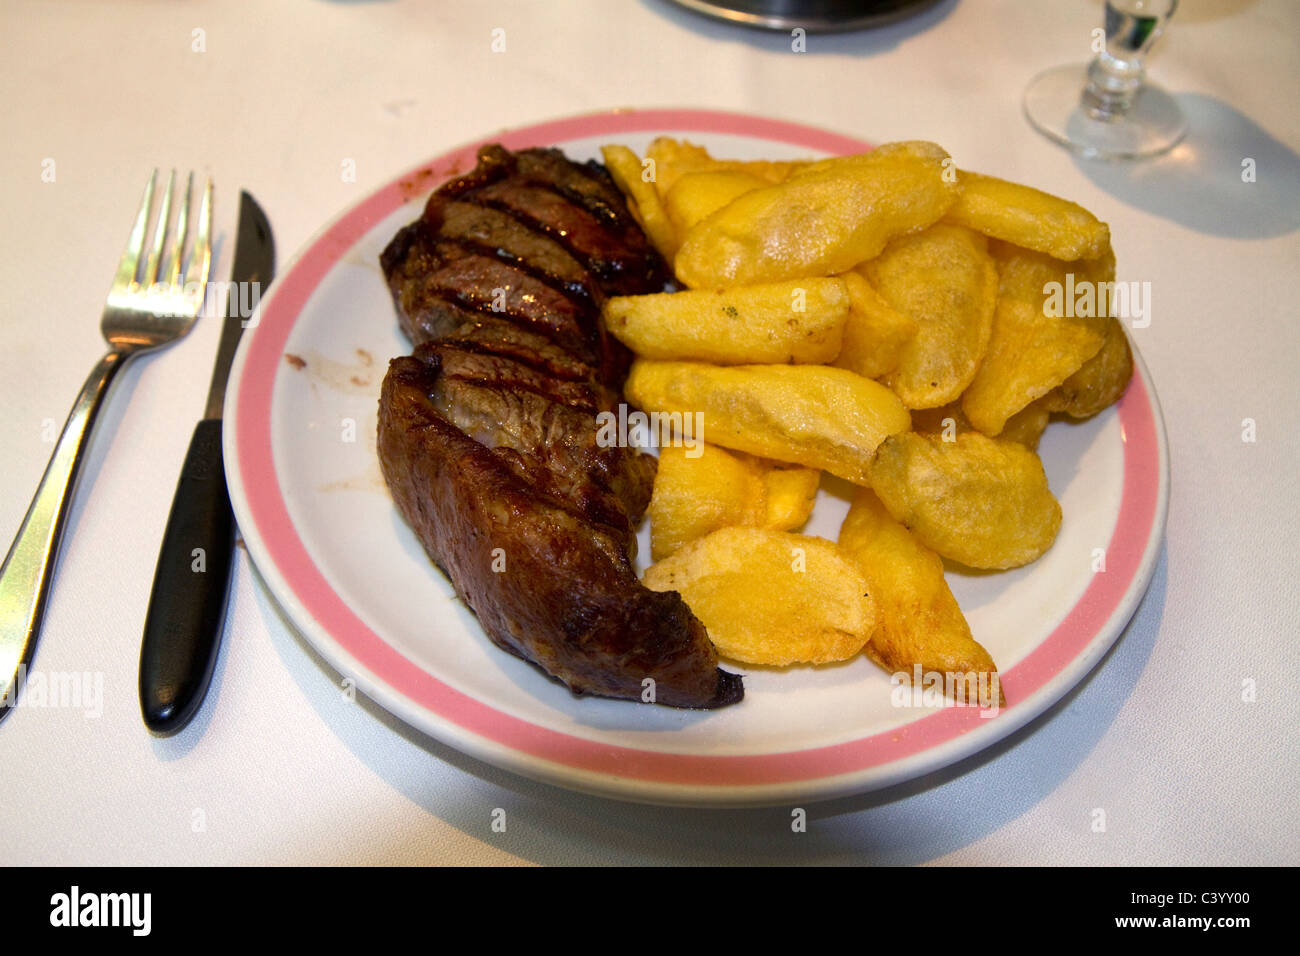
x: 1154, y: 124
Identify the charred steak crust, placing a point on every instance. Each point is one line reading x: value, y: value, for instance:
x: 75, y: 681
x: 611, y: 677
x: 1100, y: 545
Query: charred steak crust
x: 487, y: 432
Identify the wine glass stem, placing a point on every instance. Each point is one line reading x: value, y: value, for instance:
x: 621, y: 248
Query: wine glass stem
x: 1113, y: 84
x: 1115, y: 77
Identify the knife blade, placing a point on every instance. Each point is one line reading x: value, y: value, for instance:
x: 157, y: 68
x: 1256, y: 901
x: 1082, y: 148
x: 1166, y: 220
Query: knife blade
x: 182, y: 628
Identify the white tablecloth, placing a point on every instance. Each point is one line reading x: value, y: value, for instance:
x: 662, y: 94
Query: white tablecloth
x: 279, y: 767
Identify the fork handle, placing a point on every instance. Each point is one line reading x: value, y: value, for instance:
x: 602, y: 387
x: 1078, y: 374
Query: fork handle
x: 29, y: 566
x: 187, y: 606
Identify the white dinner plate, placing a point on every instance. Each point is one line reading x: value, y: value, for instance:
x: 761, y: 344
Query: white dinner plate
x: 325, y: 536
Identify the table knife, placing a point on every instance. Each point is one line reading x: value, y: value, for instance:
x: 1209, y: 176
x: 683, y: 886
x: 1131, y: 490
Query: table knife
x: 182, y: 629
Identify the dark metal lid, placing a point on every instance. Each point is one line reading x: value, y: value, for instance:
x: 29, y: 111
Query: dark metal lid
x: 815, y: 16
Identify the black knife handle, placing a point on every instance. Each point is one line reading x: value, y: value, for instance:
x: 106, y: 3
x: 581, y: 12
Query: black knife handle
x: 183, y: 627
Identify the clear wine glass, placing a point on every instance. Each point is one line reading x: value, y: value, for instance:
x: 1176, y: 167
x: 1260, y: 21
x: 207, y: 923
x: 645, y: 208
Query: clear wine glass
x: 1105, y: 109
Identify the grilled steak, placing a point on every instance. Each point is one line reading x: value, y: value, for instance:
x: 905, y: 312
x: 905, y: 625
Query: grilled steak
x: 487, y: 433
x: 577, y: 206
x: 503, y: 235
x: 429, y: 267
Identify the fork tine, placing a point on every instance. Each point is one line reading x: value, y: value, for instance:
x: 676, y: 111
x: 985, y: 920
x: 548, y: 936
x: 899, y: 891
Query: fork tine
x: 130, y: 260
x: 159, y: 234
x: 178, y: 241
x: 196, y: 275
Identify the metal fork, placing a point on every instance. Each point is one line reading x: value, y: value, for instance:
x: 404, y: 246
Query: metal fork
x: 145, y: 310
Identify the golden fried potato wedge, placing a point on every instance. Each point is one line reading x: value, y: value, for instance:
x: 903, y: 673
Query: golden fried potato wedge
x: 699, y: 491
x: 798, y: 321
x: 920, y: 624
x: 945, y: 422
x: 823, y: 220
x: 672, y: 159
x: 791, y: 493
x: 1025, y: 427
x: 875, y: 333
x: 811, y: 415
x: 1029, y: 218
x: 675, y: 158
x: 695, y: 494
x: 644, y: 203
x: 899, y: 151
x: 1100, y: 381
x: 1038, y: 340
x: 978, y: 500
x: 698, y: 195
x: 770, y: 597
x: 946, y: 281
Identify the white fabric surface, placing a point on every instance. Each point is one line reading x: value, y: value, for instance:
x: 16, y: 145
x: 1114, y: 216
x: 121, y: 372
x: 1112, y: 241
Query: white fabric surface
x: 281, y: 769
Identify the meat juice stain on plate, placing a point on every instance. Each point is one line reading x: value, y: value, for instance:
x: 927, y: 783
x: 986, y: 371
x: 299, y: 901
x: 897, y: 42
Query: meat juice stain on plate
x: 355, y: 377
x: 423, y: 180
x: 354, y: 258
x: 372, y: 479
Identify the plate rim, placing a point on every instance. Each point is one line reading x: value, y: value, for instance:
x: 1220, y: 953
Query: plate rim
x: 566, y: 761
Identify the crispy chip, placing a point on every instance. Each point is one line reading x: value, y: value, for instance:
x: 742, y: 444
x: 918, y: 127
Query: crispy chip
x: 978, y: 500
x: 675, y: 158
x: 770, y: 597
x: 1038, y: 338
x: 811, y: 415
x: 698, y: 195
x: 800, y: 321
x: 1026, y: 426
x: 947, y: 422
x: 791, y: 492
x: 626, y: 168
x: 920, y: 625
x: 825, y: 219
x: 945, y: 280
x: 1028, y: 217
x: 695, y: 494
x: 1100, y: 381
x: 875, y: 333
x: 697, y: 491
